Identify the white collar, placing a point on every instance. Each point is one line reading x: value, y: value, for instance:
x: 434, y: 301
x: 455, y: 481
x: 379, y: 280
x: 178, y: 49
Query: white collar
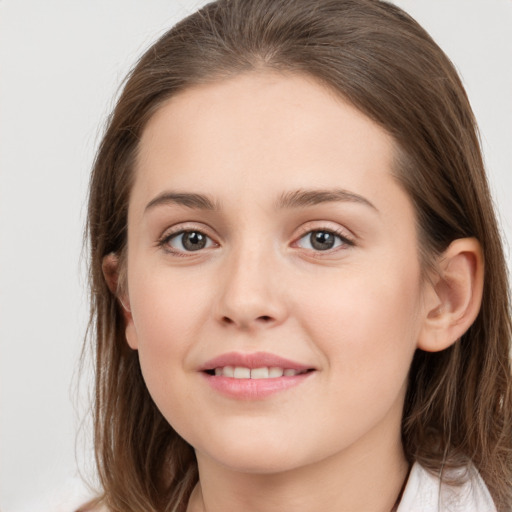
x: 426, y: 492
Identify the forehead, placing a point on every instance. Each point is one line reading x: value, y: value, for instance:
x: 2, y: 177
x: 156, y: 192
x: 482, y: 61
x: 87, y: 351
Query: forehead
x: 262, y: 130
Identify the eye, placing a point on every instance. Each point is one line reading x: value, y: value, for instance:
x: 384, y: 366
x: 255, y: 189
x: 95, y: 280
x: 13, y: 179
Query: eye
x: 322, y: 240
x: 188, y: 241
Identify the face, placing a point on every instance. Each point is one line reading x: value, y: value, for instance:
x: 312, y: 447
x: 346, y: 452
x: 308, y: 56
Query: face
x: 273, y: 282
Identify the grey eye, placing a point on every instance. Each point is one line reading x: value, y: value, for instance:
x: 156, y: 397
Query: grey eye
x: 190, y: 241
x: 320, y: 240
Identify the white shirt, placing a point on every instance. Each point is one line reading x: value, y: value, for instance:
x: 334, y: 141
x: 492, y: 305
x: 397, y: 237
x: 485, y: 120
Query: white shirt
x: 425, y: 492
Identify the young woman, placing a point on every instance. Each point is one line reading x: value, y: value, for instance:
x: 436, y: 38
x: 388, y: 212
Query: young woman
x: 299, y: 292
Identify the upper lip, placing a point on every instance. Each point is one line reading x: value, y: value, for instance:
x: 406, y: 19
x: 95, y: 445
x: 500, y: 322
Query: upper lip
x: 252, y: 360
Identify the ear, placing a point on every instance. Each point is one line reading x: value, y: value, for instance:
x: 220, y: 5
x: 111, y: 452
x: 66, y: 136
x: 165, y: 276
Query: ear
x: 453, y: 299
x: 111, y: 272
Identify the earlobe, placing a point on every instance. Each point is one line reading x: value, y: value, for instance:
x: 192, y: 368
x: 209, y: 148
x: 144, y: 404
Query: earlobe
x: 454, y: 298
x: 131, y: 335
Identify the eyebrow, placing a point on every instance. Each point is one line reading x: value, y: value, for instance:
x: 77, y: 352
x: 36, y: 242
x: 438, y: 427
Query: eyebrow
x: 301, y: 198
x: 287, y: 200
x: 189, y: 200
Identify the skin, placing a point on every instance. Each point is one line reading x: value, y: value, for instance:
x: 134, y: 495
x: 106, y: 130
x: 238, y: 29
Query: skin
x: 355, y: 313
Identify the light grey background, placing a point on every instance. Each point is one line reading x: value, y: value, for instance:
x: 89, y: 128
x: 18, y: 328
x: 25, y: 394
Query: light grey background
x: 61, y: 62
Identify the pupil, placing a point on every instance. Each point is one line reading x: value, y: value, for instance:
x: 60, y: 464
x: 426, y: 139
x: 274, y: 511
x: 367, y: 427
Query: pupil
x: 322, y: 240
x: 193, y: 241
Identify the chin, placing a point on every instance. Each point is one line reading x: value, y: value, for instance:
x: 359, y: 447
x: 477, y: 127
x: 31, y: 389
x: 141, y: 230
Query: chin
x: 257, y: 454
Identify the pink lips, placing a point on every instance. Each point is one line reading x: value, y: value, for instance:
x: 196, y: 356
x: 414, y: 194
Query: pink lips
x: 253, y: 389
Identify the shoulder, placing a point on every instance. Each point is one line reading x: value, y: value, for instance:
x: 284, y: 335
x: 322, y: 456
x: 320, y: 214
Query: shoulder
x: 427, y: 492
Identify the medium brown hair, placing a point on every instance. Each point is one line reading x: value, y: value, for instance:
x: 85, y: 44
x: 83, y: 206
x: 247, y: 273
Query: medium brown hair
x: 458, y: 405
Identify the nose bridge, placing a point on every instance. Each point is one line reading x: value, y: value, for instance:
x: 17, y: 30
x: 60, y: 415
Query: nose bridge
x: 251, y: 293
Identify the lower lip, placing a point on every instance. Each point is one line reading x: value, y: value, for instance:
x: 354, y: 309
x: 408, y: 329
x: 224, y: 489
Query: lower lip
x: 254, y: 389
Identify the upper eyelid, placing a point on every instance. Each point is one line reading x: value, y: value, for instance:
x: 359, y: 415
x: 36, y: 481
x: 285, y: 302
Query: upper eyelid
x: 319, y: 225
x: 186, y: 226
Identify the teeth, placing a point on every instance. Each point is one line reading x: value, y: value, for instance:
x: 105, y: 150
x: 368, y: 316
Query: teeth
x: 259, y: 373
x: 275, y: 372
x: 241, y: 372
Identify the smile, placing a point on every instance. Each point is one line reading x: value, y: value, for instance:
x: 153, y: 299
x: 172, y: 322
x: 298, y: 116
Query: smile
x: 241, y: 372
x: 253, y: 376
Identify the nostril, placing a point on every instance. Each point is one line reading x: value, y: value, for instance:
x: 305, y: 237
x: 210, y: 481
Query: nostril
x: 263, y: 319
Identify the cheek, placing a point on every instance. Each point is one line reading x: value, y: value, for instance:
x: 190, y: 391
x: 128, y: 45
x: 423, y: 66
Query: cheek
x: 166, y: 316
x: 167, y: 308
x: 367, y: 323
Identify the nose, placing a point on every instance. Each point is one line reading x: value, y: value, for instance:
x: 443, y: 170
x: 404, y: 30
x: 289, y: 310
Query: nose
x: 251, y: 292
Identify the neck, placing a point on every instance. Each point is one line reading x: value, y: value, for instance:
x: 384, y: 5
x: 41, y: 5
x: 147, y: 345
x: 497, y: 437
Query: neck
x: 365, y: 478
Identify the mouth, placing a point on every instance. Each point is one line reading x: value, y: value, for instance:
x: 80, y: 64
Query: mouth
x: 264, y: 372
x: 253, y: 376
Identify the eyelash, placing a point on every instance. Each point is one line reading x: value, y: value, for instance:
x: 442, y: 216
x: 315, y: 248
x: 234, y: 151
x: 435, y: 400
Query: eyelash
x: 163, y: 242
x: 340, y: 235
